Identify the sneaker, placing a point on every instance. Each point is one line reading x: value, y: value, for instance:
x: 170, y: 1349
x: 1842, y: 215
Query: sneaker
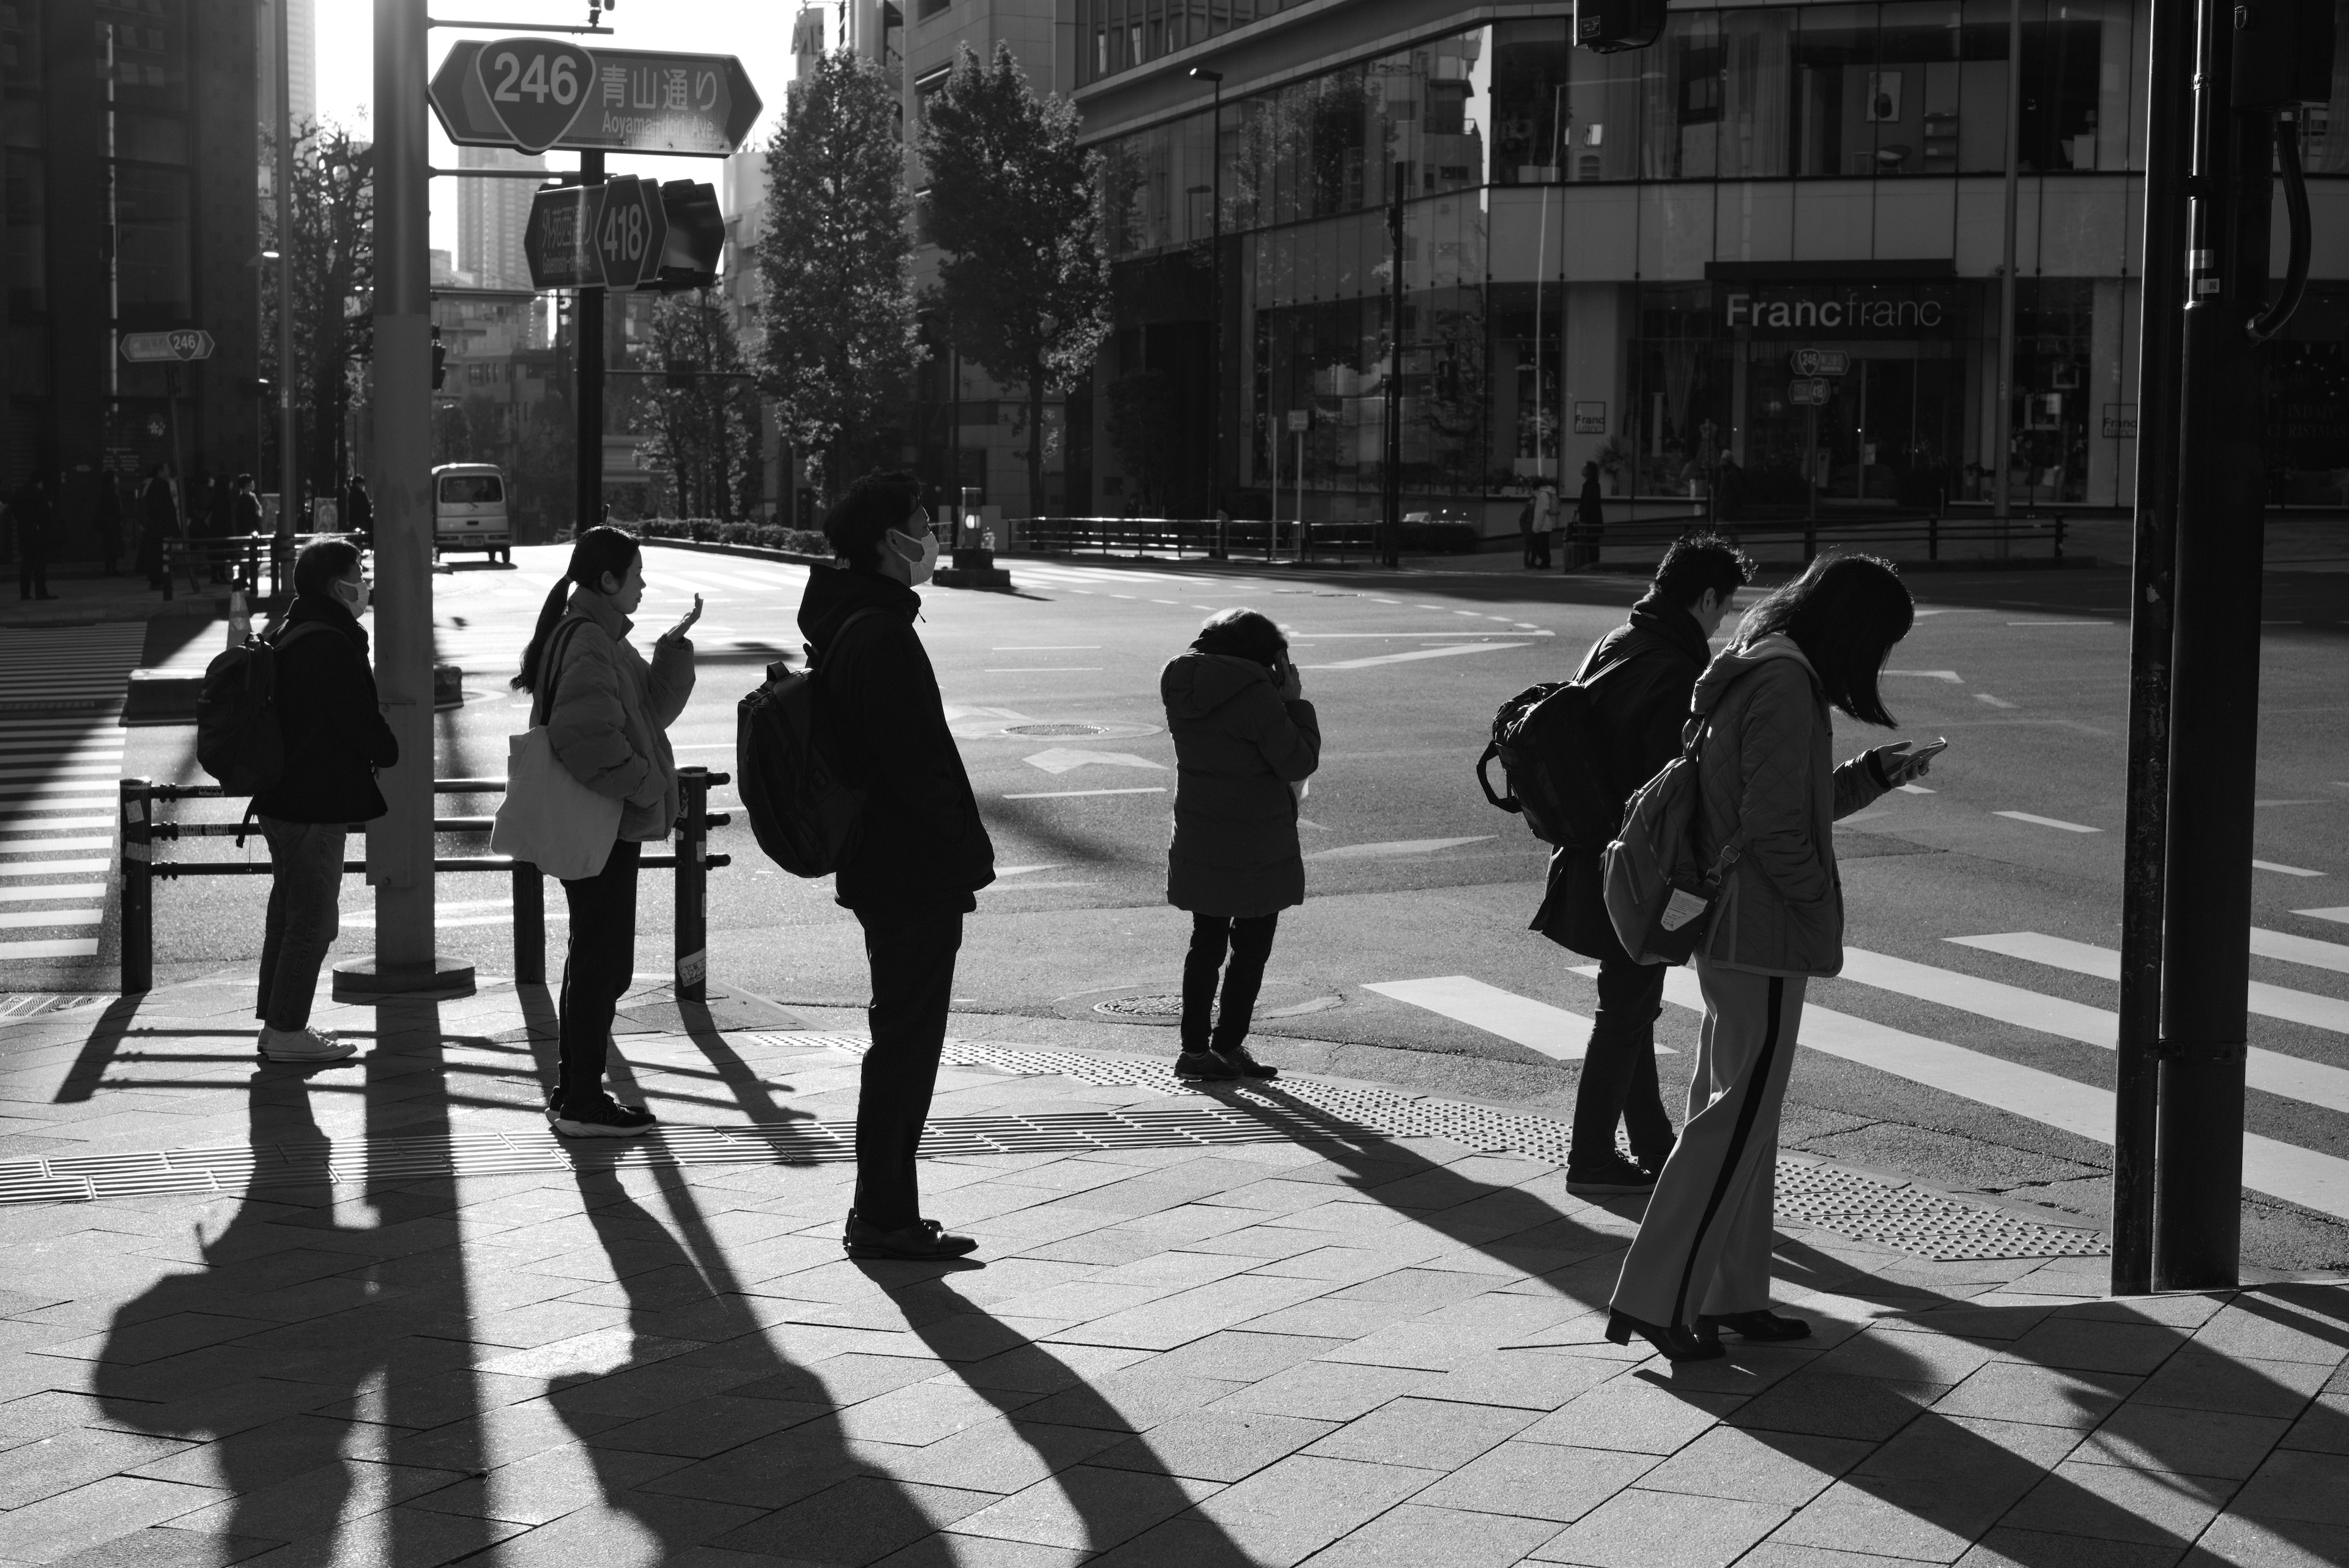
x: 1208, y: 1066
x: 1614, y: 1178
x: 302, y: 1044
x: 925, y: 1241
x: 608, y: 1118
x: 1244, y: 1066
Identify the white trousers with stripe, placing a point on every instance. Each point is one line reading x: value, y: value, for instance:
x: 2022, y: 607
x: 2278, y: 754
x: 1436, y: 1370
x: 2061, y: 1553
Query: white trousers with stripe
x: 1703, y: 1246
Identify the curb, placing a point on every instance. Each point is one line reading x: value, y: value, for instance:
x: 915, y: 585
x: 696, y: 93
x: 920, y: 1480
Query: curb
x: 753, y: 551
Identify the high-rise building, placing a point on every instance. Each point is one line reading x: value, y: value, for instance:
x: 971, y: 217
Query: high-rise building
x: 302, y: 59
x: 491, y: 217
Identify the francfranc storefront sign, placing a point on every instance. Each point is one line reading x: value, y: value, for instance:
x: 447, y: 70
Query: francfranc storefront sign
x: 1854, y: 313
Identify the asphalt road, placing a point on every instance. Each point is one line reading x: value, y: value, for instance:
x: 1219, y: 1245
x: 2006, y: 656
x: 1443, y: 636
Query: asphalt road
x: 1971, y: 1066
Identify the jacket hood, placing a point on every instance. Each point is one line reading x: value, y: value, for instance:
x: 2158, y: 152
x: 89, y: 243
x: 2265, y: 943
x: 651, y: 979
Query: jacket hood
x: 327, y: 610
x: 1194, y: 684
x: 1659, y: 616
x: 835, y: 593
x: 1738, y: 658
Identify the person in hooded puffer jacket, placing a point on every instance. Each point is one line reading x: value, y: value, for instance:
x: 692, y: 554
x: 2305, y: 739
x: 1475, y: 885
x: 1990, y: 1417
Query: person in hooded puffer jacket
x: 1244, y: 742
x: 1768, y: 788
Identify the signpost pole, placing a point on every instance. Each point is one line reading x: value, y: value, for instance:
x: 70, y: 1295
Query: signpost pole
x: 287, y: 512
x: 587, y: 315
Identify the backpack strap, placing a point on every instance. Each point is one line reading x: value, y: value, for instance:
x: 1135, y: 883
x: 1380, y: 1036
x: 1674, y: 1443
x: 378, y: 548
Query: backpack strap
x: 549, y: 667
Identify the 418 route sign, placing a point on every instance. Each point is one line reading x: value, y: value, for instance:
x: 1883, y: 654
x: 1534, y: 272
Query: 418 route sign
x: 624, y: 234
x: 176, y: 347
x: 1807, y: 392
x: 533, y: 94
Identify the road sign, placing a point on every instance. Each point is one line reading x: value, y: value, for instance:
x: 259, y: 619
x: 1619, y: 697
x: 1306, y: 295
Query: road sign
x: 1301, y: 418
x: 180, y: 344
x: 1819, y: 361
x: 558, y: 241
x: 538, y: 93
x: 1801, y: 391
x: 630, y: 232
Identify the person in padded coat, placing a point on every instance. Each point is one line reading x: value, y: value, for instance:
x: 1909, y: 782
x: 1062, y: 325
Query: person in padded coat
x: 1769, y: 793
x: 607, y: 714
x: 1640, y: 675
x: 1244, y: 740
x: 335, y: 740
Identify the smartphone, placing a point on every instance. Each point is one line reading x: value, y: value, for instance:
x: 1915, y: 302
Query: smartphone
x: 1932, y: 748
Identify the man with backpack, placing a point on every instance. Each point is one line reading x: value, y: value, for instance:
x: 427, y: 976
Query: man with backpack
x: 334, y: 739
x: 1641, y: 677
x: 921, y: 852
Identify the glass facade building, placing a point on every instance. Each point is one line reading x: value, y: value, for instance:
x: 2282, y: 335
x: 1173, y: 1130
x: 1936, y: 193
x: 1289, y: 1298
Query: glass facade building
x: 1761, y: 258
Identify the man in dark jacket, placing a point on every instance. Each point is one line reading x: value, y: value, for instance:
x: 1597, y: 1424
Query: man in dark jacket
x: 1641, y: 675
x: 923, y: 853
x: 33, y: 510
x: 335, y: 740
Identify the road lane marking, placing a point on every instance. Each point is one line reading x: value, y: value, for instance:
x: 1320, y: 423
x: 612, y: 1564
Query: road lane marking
x: 2340, y: 914
x: 2307, y: 950
x: 2285, y: 870
x: 1915, y: 789
x: 2296, y: 1175
x: 2277, y: 1001
x: 2047, y: 821
x: 1003, y: 871
x: 1047, y: 670
x: 1061, y: 759
x: 1073, y: 793
x: 1949, y: 675
x: 2063, y: 623
x: 1536, y: 1025
x: 1396, y: 848
x: 1993, y: 701
x: 1416, y: 653
x: 1052, y: 647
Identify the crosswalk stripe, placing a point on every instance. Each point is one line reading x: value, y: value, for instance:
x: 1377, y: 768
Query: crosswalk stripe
x: 76, y: 946
x: 57, y: 867
x: 25, y: 918
x: 1443, y: 651
x: 2306, y: 951
x: 2268, y: 1000
x: 1553, y: 1031
x: 2296, y: 1175
x: 2339, y: 914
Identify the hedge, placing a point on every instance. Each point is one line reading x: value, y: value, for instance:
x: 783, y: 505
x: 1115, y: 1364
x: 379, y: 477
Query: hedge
x: 710, y: 531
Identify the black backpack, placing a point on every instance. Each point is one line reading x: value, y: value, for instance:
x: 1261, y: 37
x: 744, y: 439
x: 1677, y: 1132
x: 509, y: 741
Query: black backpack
x: 805, y: 814
x: 239, y: 739
x: 1554, y: 759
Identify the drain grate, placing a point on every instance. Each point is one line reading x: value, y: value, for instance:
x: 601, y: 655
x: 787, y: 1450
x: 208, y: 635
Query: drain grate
x: 1054, y: 730
x: 1141, y: 1007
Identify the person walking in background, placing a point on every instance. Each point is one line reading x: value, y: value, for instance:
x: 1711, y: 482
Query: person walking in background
x: 1525, y: 531
x: 1544, y: 522
x: 33, y: 509
x: 1590, y: 523
x: 923, y: 854
x: 159, y: 515
x: 106, y: 522
x: 1245, y: 742
x: 358, y: 512
x: 607, y: 714
x: 1768, y: 795
x: 244, y: 509
x: 1641, y: 675
x: 335, y: 742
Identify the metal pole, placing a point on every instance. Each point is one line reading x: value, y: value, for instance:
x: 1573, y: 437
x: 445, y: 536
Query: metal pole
x: 2005, y: 424
x: 692, y: 974
x: 1216, y: 243
x: 587, y: 320
x: 1390, y: 550
x: 286, y: 474
x: 137, y: 930
x: 399, y: 843
x: 528, y: 924
x: 2170, y: 96
x: 2214, y: 695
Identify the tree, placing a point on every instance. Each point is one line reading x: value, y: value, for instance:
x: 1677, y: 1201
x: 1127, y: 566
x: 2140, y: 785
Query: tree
x: 1025, y: 289
x: 332, y: 252
x: 703, y: 415
x: 840, y: 333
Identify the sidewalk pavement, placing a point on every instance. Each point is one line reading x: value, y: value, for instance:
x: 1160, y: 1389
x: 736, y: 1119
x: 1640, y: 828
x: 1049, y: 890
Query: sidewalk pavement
x: 85, y: 595
x: 381, y: 1316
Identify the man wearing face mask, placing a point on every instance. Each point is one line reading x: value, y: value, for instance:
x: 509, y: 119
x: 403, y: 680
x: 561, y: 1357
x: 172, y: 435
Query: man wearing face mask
x: 335, y: 740
x: 923, y: 852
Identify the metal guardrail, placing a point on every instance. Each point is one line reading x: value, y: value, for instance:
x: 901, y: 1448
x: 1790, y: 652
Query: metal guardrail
x: 245, y: 554
x: 1932, y: 531
x: 692, y: 863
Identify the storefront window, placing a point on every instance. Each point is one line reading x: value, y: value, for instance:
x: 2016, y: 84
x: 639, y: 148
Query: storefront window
x: 2054, y: 329
x: 1530, y: 61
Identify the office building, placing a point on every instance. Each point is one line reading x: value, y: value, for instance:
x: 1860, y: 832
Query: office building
x: 491, y: 217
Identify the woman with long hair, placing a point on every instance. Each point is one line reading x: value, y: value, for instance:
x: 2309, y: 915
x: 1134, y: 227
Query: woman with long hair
x: 607, y: 714
x: 1769, y: 794
x: 1244, y: 742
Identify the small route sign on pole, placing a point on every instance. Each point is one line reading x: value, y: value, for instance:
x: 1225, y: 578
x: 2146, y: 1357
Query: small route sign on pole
x: 177, y: 346
x: 558, y: 241
x: 1820, y: 362
x: 630, y: 232
x: 540, y: 93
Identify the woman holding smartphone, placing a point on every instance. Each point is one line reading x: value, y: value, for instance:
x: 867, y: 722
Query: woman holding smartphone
x: 1769, y: 794
x: 1245, y: 742
x: 607, y: 714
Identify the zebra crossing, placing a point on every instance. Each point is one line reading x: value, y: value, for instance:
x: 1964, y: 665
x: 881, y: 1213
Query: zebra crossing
x: 70, y: 668
x: 58, y: 823
x: 2064, y: 1090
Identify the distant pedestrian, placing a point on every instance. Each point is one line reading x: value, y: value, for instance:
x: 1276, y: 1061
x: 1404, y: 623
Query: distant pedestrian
x: 106, y: 522
x: 245, y: 512
x: 923, y: 853
x: 1525, y: 533
x: 159, y: 517
x: 336, y: 740
x: 1544, y: 522
x: 1769, y: 794
x: 33, y: 510
x: 1245, y: 742
x: 358, y: 512
x: 1641, y: 676
x: 607, y: 714
x: 1590, y: 523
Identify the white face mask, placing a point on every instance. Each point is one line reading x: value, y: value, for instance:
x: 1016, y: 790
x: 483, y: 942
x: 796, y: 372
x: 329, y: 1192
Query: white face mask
x: 918, y: 568
x: 354, y: 595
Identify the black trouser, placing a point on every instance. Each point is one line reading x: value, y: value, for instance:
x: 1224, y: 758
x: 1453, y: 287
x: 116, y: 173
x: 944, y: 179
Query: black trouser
x: 33, y: 569
x: 1249, y: 939
x: 1541, y: 551
x: 912, y: 956
x: 597, y: 969
x: 1618, y: 1070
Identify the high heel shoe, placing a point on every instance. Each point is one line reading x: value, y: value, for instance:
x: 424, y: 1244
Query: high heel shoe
x: 1673, y: 1343
x: 1763, y: 1324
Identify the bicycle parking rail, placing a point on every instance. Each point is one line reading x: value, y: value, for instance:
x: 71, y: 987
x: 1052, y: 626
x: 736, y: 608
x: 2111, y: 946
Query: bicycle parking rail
x: 692, y: 862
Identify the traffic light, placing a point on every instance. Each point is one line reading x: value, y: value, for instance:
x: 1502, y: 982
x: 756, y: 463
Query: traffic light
x: 439, y: 359
x: 1603, y: 26
x: 697, y: 235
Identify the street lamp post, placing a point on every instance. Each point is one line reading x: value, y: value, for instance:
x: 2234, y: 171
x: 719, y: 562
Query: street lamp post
x: 1215, y: 190
x: 285, y: 474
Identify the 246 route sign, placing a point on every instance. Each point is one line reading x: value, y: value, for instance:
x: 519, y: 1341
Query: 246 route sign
x: 534, y: 94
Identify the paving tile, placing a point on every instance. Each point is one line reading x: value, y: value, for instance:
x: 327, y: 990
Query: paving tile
x: 2051, y: 1397
x: 300, y: 1507
x: 1909, y: 1358
x: 619, y: 1530
x: 2005, y: 1547
x: 1776, y: 1555
x: 859, y: 1521
x: 1086, y: 1508
x: 2199, y: 1379
x: 161, y: 1546
x: 1413, y: 1536
x: 1831, y: 1406
x: 547, y: 1485
x: 1636, y: 1529
x: 1433, y: 1434
x: 2087, y: 1346
x: 1920, y: 1519
x: 2300, y: 1486
x: 1242, y: 1356
x: 1538, y: 1480
x: 2108, y: 1502
x: 2234, y: 1542
x: 1215, y: 1445
x: 1327, y: 1390
x: 1633, y: 1415
x: 75, y: 1458
x: 2191, y: 1442
x: 1276, y: 1517
x: 2258, y: 1325
x: 1186, y: 1315
x: 1002, y: 1456
x: 701, y: 1428
x: 948, y: 1549
x: 1782, y: 1468
x: 1973, y: 1453
x: 2324, y: 1427
x: 1529, y: 1380
x: 921, y: 1412
x: 1135, y: 1399
x: 104, y: 1511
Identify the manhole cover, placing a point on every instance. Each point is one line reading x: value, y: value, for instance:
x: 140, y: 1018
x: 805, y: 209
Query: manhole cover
x: 1141, y: 1007
x: 1055, y: 730
x: 1280, y: 999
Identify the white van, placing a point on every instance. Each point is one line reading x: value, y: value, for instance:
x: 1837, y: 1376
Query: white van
x: 469, y: 509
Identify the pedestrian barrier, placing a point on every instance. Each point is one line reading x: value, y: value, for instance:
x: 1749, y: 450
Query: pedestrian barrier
x: 692, y: 861
x: 242, y: 555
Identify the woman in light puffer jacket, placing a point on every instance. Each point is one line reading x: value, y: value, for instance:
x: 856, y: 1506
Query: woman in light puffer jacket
x: 1768, y: 786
